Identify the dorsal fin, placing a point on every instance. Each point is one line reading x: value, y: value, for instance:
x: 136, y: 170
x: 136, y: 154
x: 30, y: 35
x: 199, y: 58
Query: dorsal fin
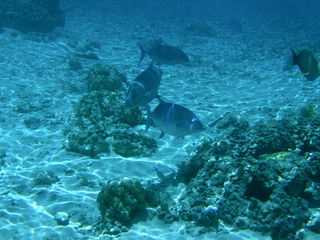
x: 142, y: 51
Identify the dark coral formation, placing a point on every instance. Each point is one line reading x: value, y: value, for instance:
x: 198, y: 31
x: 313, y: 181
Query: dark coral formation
x: 250, y: 179
x: 31, y: 15
x: 102, y: 122
x: 123, y: 202
x: 107, y: 78
x: 264, y: 177
x: 129, y: 144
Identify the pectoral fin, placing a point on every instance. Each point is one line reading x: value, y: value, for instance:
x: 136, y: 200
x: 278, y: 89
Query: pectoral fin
x: 161, y: 134
x: 303, y: 74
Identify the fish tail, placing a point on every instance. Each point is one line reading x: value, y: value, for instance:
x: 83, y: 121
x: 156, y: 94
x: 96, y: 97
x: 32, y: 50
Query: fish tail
x: 142, y: 51
x: 150, y: 65
x: 159, y: 98
x: 294, y: 58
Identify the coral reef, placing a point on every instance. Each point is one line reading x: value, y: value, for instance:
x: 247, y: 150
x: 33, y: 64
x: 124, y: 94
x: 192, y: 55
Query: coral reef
x: 128, y: 144
x: 102, y: 122
x: 247, y: 179
x: 107, y: 78
x: 250, y: 179
x: 123, y: 202
x: 31, y: 16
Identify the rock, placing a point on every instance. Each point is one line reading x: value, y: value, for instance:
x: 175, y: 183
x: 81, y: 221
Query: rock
x: 314, y: 223
x: 74, y: 64
x: 251, y: 178
x: 309, y: 111
x: 2, y: 153
x: 46, y: 178
x: 32, y: 123
x: 209, y: 217
x: 62, y: 218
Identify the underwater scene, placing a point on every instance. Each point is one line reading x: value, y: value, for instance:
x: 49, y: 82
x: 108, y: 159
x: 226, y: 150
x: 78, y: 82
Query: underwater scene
x: 159, y: 120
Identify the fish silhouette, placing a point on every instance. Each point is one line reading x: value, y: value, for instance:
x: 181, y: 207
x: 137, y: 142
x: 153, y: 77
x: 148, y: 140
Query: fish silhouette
x: 174, y: 119
x: 145, y: 87
x: 307, y: 63
x: 164, y: 54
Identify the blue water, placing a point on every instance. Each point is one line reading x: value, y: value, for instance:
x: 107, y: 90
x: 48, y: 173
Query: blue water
x: 239, y: 62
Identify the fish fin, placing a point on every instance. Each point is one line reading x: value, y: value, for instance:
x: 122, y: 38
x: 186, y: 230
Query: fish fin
x: 142, y: 51
x: 160, y: 175
x: 294, y: 58
x: 212, y: 123
x: 155, y: 63
x: 303, y: 74
x: 161, y: 134
x: 159, y: 98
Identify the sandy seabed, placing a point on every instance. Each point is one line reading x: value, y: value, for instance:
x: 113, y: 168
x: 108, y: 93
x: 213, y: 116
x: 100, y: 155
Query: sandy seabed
x: 246, y: 73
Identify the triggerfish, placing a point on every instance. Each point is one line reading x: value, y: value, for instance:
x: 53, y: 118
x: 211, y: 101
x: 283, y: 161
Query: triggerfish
x: 145, y: 87
x: 307, y: 63
x: 164, y: 54
x: 174, y: 119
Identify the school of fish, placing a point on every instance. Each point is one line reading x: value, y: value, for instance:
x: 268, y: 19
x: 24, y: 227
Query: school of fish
x: 172, y: 118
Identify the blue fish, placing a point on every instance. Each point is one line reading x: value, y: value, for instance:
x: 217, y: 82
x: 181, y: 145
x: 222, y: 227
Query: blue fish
x: 174, y: 119
x: 164, y: 54
x: 145, y: 87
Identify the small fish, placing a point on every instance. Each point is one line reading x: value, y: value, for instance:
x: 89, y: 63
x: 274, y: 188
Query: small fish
x: 307, y: 64
x: 164, y: 54
x: 145, y: 87
x: 175, y: 119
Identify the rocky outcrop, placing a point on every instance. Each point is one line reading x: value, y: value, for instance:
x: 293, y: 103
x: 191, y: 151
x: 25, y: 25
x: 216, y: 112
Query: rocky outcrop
x: 31, y: 15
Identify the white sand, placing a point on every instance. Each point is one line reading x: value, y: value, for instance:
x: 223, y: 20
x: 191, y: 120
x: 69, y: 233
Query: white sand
x: 243, y: 73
